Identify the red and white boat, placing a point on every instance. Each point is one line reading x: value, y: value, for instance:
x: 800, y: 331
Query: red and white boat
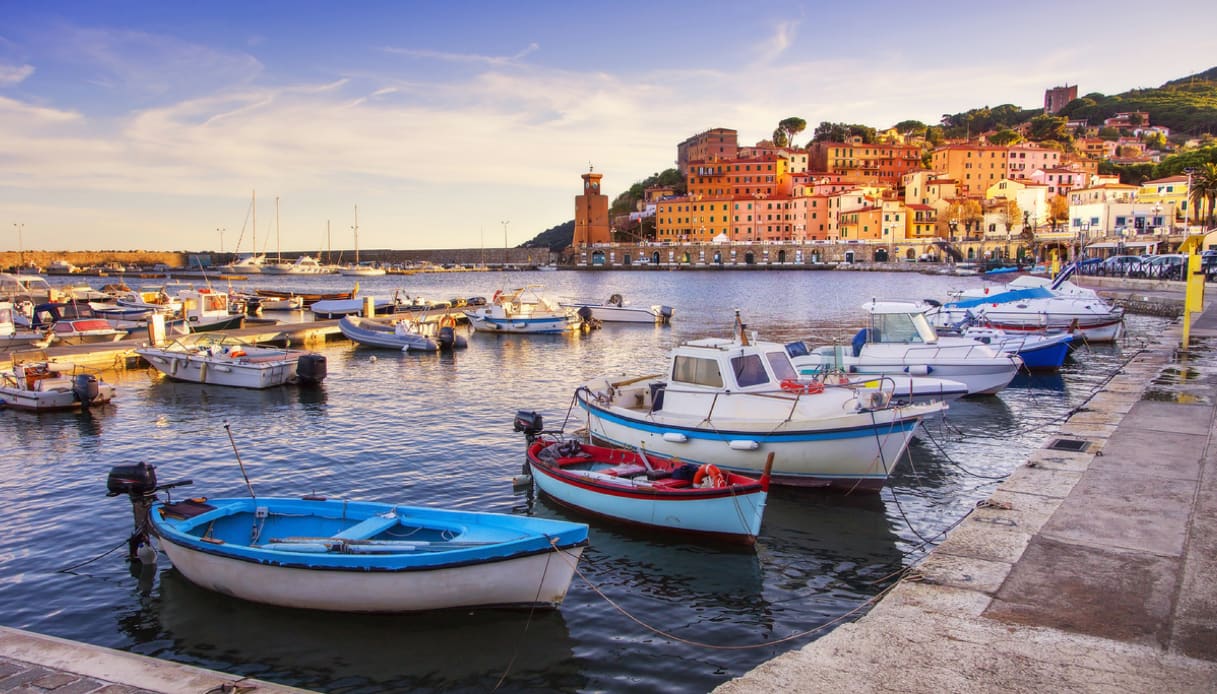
x: 645, y: 489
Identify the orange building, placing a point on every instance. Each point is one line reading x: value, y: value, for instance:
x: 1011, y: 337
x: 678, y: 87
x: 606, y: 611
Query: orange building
x: 975, y: 167
x: 717, y: 144
x: 591, y: 214
x: 871, y: 164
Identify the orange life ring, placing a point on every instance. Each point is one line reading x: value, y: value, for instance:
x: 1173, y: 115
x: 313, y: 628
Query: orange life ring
x: 496, y: 296
x: 810, y: 387
x: 204, y: 290
x: 237, y: 353
x: 716, y: 477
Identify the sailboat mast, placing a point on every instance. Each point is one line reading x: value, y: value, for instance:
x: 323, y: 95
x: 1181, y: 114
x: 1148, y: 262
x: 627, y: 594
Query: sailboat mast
x: 253, y: 203
x: 278, y: 248
x: 356, y: 228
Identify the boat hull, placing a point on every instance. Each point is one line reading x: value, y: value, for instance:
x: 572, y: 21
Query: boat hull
x: 731, y: 513
x: 852, y: 452
x: 509, y: 561
x: 544, y: 325
x: 607, y: 313
x: 235, y: 365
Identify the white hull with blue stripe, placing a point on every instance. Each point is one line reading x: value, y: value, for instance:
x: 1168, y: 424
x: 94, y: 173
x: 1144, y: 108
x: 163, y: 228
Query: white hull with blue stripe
x: 523, y: 311
x: 730, y: 403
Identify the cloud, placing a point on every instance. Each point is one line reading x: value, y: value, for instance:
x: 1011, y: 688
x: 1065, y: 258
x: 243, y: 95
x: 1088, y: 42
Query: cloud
x: 777, y: 43
x: 474, y: 58
x: 11, y: 75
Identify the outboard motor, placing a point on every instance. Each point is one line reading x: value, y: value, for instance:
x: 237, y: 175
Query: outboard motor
x: 585, y: 313
x: 311, y: 368
x: 253, y: 306
x: 665, y: 314
x: 529, y: 422
x: 138, y: 482
x: 85, y: 388
x: 448, y: 339
x: 616, y: 300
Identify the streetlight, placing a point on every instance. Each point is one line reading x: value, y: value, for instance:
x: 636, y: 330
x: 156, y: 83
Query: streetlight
x: 1187, y: 202
x: 20, y: 245
x: 221, y: 230
x: 505, y: 223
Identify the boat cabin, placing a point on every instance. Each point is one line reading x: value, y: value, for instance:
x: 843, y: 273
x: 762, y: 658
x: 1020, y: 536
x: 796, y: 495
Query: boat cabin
x: 895, y: 322
x: 731, y: 365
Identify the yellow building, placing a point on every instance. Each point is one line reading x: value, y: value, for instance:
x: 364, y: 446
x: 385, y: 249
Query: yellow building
x: 1172, y: 190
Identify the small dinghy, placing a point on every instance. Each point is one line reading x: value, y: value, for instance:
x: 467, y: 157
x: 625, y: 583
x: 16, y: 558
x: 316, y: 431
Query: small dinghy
x: 352, y: 556
x: 44, y: 386
x: 645, y: 489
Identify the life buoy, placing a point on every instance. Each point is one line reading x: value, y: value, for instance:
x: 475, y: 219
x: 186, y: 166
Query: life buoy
x: 204, y: 290
x: 237, y: 353
x: 810, y: 387
x: 495, y: 298
x: 711, y: 473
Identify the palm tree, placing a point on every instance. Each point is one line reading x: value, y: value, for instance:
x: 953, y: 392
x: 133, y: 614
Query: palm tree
x: 1204, y: 192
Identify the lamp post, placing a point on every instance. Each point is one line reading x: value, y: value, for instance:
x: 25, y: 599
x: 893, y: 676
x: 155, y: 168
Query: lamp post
x: 221, y: 230
x: 505, y: 223
x: 1187, y: 202
x: 20, y: 245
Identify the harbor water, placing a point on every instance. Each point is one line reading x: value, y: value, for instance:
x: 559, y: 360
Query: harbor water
x: 645, y: 613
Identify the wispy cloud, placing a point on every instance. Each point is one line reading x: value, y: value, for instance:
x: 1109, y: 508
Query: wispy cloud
x: 11, y: 75
x: 473, y: 58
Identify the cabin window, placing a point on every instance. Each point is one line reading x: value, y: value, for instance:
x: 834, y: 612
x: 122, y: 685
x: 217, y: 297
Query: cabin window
x: 702, y: 372
x: 749, y: 370
x: 901, y: 327
x: 779, y: 362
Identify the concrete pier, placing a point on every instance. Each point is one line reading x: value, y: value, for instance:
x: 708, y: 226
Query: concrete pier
x: 1091, y: 570
x: 32, y: 663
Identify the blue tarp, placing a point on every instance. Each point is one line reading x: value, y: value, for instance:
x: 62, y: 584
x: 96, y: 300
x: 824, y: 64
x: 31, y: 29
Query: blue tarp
x: 1004, y: 297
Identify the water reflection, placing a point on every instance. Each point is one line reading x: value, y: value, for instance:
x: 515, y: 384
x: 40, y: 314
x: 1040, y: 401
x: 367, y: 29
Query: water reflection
x: 353, y: 653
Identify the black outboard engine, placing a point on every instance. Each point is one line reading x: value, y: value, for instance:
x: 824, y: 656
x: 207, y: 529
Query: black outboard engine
x: 585, y: 313
x: 138, y: 482
x: 665, y: 314
x: 616, y: 300
x: 85, y: 388
x: 311, y: 369
x: 529, y: 422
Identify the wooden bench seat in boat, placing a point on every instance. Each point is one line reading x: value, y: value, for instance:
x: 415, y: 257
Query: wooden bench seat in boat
x: 368, y: 528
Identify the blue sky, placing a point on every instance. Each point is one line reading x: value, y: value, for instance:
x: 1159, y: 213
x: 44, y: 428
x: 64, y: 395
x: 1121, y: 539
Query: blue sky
x: 147, y: 125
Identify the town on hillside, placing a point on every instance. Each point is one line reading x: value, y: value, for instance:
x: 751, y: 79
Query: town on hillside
x: 1005, y: 196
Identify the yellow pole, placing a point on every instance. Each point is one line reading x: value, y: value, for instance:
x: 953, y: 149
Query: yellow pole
x: 1055, y: 267
x: 1193, y: 296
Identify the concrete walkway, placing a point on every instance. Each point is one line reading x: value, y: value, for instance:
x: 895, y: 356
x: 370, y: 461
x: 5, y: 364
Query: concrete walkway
x: 31, y: 663
x: 1090, y: 571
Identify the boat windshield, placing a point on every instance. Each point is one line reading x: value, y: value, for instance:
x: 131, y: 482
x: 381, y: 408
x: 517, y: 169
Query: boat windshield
x: 901, y: 328
x: 749, y: 370
x: 783, y: 369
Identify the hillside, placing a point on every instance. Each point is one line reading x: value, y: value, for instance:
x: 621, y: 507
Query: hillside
x: 1188, y: 106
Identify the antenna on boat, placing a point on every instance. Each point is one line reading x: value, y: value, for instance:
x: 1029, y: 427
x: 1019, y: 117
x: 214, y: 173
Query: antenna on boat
x: 248, y: 486
x: 739, y: 329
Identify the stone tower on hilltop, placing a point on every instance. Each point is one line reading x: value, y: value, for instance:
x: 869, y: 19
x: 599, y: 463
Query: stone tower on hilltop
x: 591, y: 213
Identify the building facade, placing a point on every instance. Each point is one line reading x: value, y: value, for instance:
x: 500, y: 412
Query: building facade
x: 591, y: 213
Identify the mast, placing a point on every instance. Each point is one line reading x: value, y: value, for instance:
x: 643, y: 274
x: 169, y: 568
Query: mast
x: 356, y: 228
x: 278, y: 249
x: 253, y: 203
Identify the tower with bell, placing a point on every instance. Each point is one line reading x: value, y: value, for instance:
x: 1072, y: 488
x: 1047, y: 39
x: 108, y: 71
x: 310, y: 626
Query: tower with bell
x: 591, y: 213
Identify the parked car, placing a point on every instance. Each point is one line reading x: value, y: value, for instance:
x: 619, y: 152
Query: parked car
x: 1119, y: 265
x: 1168, y: 266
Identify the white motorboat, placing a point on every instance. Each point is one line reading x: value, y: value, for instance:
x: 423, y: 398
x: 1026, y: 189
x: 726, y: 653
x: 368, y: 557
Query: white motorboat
x: 523, y: 310
x: 45, y: 386
x: 207, y: 309
x: 615, y: 310
x: 730, y: 402
x: 250, y: 264
x: 219, y: 359
x: 407, y: 335
x: 1035, y: 310
x: 304, y: 265
x: 901, y: 342
x: 12, y: 337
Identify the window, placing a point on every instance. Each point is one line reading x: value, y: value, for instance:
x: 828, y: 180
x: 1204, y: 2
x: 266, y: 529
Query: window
x: 702, y: 372
x: 749, y: 370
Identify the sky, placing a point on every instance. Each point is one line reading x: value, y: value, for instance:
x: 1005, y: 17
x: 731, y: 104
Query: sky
x: 131, y: 125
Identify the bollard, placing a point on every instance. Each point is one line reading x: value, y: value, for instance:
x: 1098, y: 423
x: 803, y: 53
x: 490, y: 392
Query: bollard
x: 369, y: 307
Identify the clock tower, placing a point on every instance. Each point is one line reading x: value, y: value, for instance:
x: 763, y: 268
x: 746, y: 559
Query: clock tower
x: 591, y: 213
